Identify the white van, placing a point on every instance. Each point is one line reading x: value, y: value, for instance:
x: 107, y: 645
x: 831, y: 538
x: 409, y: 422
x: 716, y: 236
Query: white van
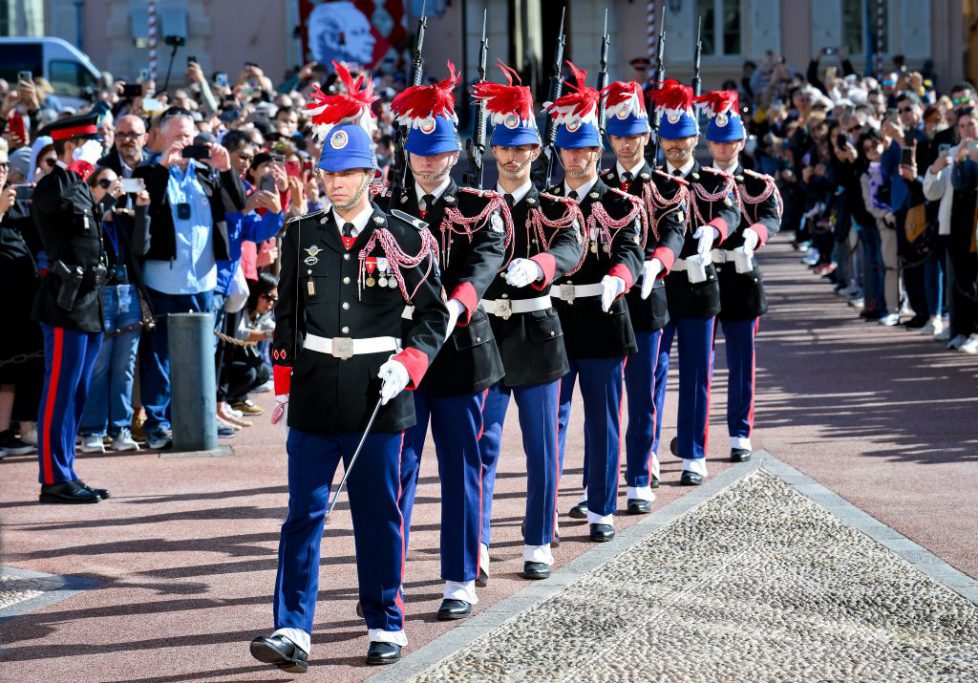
x: 68, y: 70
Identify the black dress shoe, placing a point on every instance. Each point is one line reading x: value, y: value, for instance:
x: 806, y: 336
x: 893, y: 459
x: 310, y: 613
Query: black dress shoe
x: 483, y: 579
x: 579, y: 511
x: 637, y: 506
x: 535, y: 570
x: 653, y: 482
x: 674, y: 446
x: 451, y: 610
x: 601, y: 533
x: 739, y: 455
x: 68, y: 492
x: 916, y: 322
x: 688, y: 478
x: 281, y: 652
x: 102, y: 493
x: 383, y: 653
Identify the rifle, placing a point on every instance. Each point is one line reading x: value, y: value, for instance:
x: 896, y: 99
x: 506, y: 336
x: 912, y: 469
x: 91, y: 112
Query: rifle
x: 697, y: 81
x: 652, y: 151
x: 475, y: 147
x: 544, y: 173
x: 603, y: 76
x: 399, y: 167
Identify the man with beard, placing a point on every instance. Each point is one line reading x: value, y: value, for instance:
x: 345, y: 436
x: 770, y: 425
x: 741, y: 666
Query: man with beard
x: 130, y: 143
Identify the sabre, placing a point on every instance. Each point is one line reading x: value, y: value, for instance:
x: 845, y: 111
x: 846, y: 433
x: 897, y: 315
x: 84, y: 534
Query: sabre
x: 356, y: 453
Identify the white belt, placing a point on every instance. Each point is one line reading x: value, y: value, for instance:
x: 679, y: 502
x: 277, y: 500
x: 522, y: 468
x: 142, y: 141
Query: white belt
x: 680, y: 263
x: 726, y: 256
x: 345, y: 348
x: 504, y: 308
x: 570, y: 292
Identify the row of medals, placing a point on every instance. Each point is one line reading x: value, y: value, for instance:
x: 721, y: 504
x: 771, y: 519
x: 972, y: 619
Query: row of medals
x: 387, y: 279
x: 597, y: 236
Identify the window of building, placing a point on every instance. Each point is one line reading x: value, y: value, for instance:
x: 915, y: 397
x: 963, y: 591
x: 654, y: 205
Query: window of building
x: 854, y: 14
x: 721, y: 32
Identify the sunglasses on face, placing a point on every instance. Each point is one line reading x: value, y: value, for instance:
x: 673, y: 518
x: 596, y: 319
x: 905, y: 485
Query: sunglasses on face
x: 128, y: 136
x: 958, y: 101
x: 50, y: 162
x: 105, y: 183
x: 904, y: 110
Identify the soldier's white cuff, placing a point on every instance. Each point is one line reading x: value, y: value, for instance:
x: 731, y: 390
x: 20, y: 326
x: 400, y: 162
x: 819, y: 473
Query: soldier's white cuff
x: 697, y: 465
x: 595, y: 518
x: 538, y: 553
x: 641, y: 493
x: 301, y: 639
x: 464, y: 590
x: 376, y: 635
x: 740, y: 442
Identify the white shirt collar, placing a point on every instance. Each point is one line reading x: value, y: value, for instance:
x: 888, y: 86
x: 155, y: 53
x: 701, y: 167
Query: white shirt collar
x: 634, y: 171
x: 518, y: 193
x: 582, y: 190
x: 359, y: 221
x: 730, y: 169
x: 439, y: 191
x: 685, y: 169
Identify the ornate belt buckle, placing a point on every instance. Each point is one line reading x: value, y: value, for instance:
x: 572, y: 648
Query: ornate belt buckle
x: 342, y: 348
x: 567, y: 293
x: 504, y: 308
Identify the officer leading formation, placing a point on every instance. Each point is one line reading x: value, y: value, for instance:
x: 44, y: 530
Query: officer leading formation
x: 430, y: 303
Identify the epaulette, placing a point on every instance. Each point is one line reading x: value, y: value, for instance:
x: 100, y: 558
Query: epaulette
x: 554, y: 198
x: 637, y: 201
x: 682, y: 182
x: 607, y: 173
x: 489, y: 195
x: 555, y: 190
x: 306, y: 215
x: 764, y: 177
x: 416, y: 223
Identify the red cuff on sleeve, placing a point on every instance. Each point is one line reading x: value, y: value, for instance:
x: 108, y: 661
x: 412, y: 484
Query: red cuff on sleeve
x: 549, y: 265
x: 667, y: 256
x: 622, y: 271
x: 761, y: 231
x: 721, y: 226
x: 416, y: 363
x: 465, y: 293
x: 282, y: 379
x: 82, y: 168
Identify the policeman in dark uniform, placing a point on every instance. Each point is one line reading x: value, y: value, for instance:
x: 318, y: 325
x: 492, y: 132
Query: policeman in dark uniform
x: 742, y: 299
x: 338, y: 349
x: 68, y: 304
x: 547, y: 243
x: 597, y: 330
x: 691, y: 287
x: 471, y: 228
x: 664, y: 199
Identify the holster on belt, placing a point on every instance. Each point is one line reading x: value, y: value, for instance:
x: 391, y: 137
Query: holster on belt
x: 71, y: 280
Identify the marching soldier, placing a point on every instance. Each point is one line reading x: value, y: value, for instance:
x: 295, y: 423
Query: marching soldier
x: 742, y: 299
x: 691, y: 288
x: 472, y: 228
x: 338, y: 350
x: 664, y: 199
x: 598, y: 334
x: 68, y: 304
x: 547, y: 243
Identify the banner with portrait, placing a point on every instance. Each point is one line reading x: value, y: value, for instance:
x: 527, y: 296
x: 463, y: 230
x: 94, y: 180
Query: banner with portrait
x: 370, y: 33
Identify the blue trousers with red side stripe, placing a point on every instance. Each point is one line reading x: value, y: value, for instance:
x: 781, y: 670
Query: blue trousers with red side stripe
x: 640, y: 384
x: 456, y: 425
x: 377, y: 526
x: 537, y: 404
x: 69, y: 358
x: 694, y: 338
x: 601, y: 391
x: 740, y: 336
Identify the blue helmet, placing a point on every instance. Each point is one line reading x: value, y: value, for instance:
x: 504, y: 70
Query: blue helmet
x: 510, y: 110
x: 434, y: 135
x: 429, y: 113
x: 674, y: 107
x: 625, y: 109
x: 347, y: 146
x: 576, y: 114
x: 725, y: 122
x: 576, y: 135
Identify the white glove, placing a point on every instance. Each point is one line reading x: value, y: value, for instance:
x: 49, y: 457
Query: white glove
x: 652, y: 268
x: 751, y: 240
x: 707, y: 235
x: 394, y: 377
x: 90, y: 152
x: 281, y: 404
x: 613, y: 287
x: 522, y: 272
x: 455, y: 310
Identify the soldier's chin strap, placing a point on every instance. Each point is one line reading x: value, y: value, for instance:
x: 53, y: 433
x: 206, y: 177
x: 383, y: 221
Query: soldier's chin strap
x: 356, y: 198
x: 431, y: 176
x: 579, y: 174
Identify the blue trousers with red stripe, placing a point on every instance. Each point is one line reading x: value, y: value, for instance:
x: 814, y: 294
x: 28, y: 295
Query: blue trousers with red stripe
x: 377, y: 526
x: 537, y: 404
x: 69, y: 358
x: 640, y: 384
x: 695, y: 344
x: 740, y: 336
x: 456, y: 425
x: 601, y: 391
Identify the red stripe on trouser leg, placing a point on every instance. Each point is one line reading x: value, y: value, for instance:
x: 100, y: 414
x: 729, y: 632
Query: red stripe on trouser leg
x: 655, y: 417
x: 557, y: 460
x: 709, y: 389
x: 398, y: 598
x: 47, y: 465
x: 478, y: 547
x: 753, y: 374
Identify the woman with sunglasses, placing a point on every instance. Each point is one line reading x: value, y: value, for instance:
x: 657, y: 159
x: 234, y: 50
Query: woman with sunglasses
x: 248, y: 368
x: 109, y: 405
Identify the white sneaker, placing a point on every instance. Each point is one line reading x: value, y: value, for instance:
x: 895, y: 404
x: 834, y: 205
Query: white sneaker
x: 92, y: 443
x: 264, y: 388
x: 30, y: 435
x: 858, y: 304
x: 123, y: 441
x: 943, y: 335
x: 970, y: 346
x: 890, y: 320
x: 811, y: 258
x: 236, y: 414
x: 956, y: 343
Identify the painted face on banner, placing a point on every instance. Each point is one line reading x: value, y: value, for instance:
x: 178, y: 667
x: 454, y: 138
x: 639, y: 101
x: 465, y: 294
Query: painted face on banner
x: 339, y: 31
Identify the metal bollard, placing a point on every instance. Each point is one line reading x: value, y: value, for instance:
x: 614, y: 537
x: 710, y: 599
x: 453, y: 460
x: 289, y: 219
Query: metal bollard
x: 193, y: 394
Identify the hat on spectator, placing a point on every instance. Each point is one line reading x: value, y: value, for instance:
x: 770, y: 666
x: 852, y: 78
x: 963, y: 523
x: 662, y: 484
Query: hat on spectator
x: 20, y: 161
x: 344, y: 122
x: 84, y: 126
x: 721, y: 107
x: 510, y: 110
x: 625, y: 109
x: 674, y: 110
x: 641, y: 63
x: 576, y: 113
x: 428, y: 111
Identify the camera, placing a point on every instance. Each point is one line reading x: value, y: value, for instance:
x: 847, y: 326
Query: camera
x: 175, y: 41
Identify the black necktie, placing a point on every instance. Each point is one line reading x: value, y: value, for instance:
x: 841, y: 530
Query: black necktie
x: 509, y: 200
x: 349, y: 230
x: 429, y: 200
x: 677, y: 173
x: 627, y: 177
x: 572, y: 195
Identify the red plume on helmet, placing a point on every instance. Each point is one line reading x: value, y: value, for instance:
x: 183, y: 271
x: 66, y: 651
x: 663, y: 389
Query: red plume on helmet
x: 505, y: 100
x: 719, y: 102
x: 673, y: 97
x: 420, y: 102
x: 579, y: 105
x: 352, y: 106
x: 624, y: 98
